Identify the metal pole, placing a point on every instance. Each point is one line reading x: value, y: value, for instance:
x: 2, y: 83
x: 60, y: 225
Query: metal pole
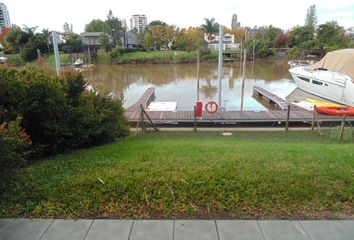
x: 198, y: 69
x: 56, y: 52
x: 221, y: 45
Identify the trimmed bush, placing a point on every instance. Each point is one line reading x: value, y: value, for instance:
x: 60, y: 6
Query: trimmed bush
x: 14, y: 145
x: 58, y: 114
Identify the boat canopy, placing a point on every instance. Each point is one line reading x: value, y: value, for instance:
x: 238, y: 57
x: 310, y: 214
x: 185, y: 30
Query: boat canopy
x: 339, y: 61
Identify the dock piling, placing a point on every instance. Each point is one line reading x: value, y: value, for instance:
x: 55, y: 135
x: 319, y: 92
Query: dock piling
x: 342, y: 128
x: 313, y: 118
x: 287, y: 119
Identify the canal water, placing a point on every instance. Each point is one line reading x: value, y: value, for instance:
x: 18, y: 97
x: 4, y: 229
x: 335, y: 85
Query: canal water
x: 178, y: 82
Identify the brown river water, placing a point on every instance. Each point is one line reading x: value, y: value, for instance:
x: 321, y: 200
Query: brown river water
x: 178, y: 82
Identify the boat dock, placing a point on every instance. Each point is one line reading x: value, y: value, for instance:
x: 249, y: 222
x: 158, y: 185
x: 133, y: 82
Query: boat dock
x: 271, y: 117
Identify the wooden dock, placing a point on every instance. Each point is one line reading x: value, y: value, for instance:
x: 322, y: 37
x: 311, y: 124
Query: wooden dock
x: 297, y: 115
x: 144, y: 100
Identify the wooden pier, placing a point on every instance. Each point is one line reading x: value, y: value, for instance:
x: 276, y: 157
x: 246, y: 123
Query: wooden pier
x: 297, y: 115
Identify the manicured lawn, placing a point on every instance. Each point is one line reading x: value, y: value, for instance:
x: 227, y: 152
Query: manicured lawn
x: 190, y: 175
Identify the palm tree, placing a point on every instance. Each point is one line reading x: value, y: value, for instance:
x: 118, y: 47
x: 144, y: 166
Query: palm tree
x: 210, y: 27
x: 17, y: 38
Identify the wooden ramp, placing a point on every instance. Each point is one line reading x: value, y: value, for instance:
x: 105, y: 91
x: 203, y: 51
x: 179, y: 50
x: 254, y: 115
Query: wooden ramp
x: 297, y: 115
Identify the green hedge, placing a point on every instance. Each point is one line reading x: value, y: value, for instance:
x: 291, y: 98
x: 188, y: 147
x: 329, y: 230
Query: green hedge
x: 14, y: 145
x: 58, y: 114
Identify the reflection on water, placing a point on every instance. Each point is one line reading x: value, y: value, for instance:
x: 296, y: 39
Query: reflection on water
x: 178, y: 82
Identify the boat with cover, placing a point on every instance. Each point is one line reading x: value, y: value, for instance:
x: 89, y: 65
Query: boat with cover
x: 331, y: 78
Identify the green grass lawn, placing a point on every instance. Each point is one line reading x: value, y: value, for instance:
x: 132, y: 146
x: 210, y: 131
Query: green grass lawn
x: 153, y: 57
x: 190, y: 175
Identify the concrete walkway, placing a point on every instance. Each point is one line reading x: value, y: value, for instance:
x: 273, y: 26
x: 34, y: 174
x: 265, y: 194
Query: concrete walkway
x: 49, y: 229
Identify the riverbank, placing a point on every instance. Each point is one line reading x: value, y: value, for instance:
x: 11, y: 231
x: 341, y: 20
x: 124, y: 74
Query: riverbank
x: 153, y: 57
x: 190, y: 175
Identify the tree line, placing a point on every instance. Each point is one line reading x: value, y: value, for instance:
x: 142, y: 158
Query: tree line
x: 158, y: 35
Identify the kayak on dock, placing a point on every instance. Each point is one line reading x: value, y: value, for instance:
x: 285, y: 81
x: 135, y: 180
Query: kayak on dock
x: 338, y: 111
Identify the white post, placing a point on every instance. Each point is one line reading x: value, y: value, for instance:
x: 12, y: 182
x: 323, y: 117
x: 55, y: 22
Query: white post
x: 56, y: 52
x: 221, y: 45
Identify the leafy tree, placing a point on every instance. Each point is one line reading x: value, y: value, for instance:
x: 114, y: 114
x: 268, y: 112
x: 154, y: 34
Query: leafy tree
x: 114, y: 29
x: 331, y: 36
x: 282, y: 40
x: 96, y: 25
x: 68, y: 28
x: 105, y: 42
x: 147, y: 41
x: 210, y: 27
x: 311, y: 17
x: 74, y: 41
x: 46, y: 34
x: 157, y: 23
x: 190, y: 39
x: 302, y: 37
x: 17, y: 38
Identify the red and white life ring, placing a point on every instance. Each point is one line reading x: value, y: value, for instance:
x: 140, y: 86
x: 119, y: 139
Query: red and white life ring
x: 211, y: 107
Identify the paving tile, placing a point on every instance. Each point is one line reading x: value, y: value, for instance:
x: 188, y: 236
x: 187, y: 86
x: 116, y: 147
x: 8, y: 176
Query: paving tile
x: 195, y: 229
x: 350, y: 226
x: 109, y: 230
x: 239, y: 229
x: 326, y: 230
x: 26, y: 229
x: 278, y: 229
x: 152, y: 230
x: 4, y: 223
x: 67, y: 229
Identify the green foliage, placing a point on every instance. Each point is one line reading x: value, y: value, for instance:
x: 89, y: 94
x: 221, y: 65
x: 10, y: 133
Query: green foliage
x: 311, y: 17
x: 96, y: 25
x: 57, y: 113
x: 157, y: 23
x: 331, y: 36
x: 14, y: 145
x: 16, y: 38
x: 104, y: 41
x: 148, y: 41
x: 302, y: 37
x: 74, y: 42
x: 210, y: 27
x: 114, y: 29
x: 190, y: 39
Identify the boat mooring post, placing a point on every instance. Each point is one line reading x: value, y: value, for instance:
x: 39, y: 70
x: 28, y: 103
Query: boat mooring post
x: 221, y: 48
x: 287, y: 119
x: 195, y: 118
x: 313, y: 118
x: 342, y: 128
x: 56, y: 52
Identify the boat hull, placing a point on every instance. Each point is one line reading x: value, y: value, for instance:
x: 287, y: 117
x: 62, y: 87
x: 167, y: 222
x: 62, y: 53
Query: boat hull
x: 332, y: 86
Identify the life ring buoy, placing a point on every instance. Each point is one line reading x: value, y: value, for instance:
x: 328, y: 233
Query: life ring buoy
x: 211, y: 107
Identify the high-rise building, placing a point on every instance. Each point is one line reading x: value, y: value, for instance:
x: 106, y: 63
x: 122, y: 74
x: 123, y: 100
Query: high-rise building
x: 234, y: 23
x: 138, y: 22
x: 4, y: 17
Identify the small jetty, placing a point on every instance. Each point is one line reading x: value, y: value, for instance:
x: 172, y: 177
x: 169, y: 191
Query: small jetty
x: 298, y: 115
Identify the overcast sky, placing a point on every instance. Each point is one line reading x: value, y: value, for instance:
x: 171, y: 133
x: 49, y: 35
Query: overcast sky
x: 183, y: 13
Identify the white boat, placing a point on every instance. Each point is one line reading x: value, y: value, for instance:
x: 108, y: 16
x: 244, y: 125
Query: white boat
x: 331, y: 78
x: 78, y: 62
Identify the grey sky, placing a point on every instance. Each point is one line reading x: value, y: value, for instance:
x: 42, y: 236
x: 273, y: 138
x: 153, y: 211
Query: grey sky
x: 183, y: 13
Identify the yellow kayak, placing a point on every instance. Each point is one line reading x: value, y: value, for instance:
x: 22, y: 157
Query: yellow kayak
x: 322, y: 103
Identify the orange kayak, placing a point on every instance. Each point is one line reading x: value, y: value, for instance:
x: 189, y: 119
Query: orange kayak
x: 339, y: 111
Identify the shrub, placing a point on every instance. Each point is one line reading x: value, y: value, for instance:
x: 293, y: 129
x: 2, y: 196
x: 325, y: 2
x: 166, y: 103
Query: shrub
x: 57, y: 112
x: 14, y: 145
